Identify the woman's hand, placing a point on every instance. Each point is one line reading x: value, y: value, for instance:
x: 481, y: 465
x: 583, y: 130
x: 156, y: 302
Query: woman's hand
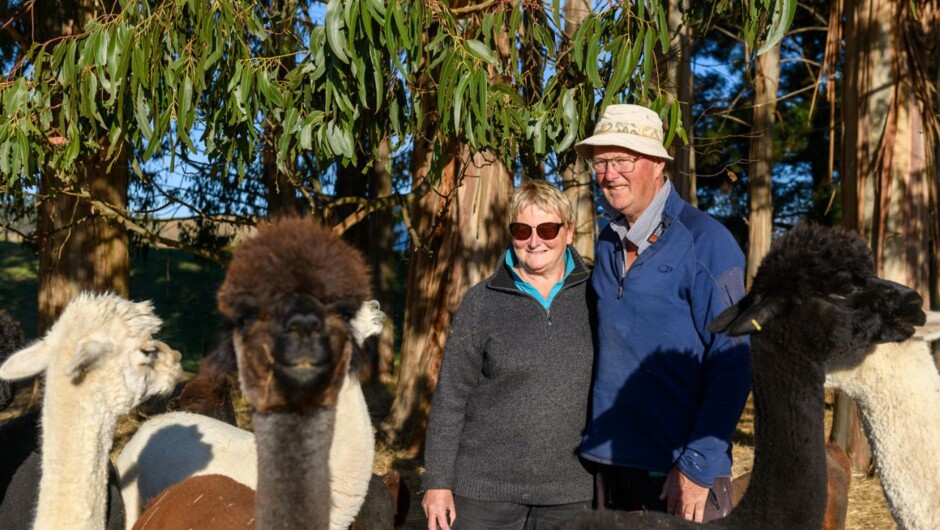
x: 439, y: 509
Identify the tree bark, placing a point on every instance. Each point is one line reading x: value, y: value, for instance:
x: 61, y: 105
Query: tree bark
x: 79, y: 248
x: 760, y: 168
x: 381, y: 229
x: 461, y: 225
x: 680, y: 82
x: 576, y: 179
x: 885, y: 137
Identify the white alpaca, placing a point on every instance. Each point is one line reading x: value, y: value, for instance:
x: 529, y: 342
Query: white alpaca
x: 171, y: 447
x: 897, y: 388
x: 100, y: 360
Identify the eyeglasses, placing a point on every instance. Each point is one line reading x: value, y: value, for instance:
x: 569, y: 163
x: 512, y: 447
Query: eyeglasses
x: 546, y: 231
x: 620, y: 165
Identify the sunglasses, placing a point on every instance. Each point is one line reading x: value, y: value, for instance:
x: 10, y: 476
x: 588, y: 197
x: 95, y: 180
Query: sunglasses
x: 546, y: 231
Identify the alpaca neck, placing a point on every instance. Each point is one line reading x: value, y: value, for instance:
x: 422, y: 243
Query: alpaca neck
x: 788, y: 484
x: 76, y: 437
x: 352, y: 454
x: 293, y: 469
x: 898, y: 390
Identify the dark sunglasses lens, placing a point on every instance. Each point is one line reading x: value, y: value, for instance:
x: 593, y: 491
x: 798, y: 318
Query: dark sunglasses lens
x: 547, y: 230
x: 520, y: 231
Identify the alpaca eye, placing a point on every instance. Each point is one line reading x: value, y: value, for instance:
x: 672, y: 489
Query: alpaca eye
x: 246, y: 319
x: 346, y: 309
x: 149, y: 352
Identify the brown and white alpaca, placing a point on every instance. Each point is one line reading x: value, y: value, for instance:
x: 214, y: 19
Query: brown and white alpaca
x: 290, y: 293
x: 814, y: 300
x: 169, y: 448
x: 293, y: 347
x: 100, y: 359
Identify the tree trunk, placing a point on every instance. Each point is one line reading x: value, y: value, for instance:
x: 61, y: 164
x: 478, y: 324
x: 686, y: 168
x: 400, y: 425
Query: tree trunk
x: 578, y: 185
x: 280, y: 192
x: 461, y: 226
x: 680, y: 82
x: 381, y: 229
x: 862, y: 72
x: 79, y: 248
x: 885, y: 137
x: 760, y: 220
x: 576, y: 179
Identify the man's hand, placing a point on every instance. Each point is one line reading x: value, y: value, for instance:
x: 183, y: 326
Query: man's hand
x: 684, y: 497
x: 439, y: 509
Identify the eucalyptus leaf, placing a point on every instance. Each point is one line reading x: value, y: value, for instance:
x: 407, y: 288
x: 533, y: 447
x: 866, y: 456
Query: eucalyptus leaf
x: 780, y: 21
x: 482, y: 51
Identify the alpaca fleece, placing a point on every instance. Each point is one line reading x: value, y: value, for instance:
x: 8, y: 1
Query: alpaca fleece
x: 170, y: 448
x: 897, y: 389
x: 99, y: 360
x: 208, y: 501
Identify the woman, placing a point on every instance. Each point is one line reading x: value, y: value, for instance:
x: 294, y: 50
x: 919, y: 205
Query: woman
x: 511, y: 401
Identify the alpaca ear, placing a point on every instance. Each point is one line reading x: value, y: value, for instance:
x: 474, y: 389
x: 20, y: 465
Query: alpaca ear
x: 25, y: 363
x: 88, y: 353
x: 746, y: 317
x: 368, y: 322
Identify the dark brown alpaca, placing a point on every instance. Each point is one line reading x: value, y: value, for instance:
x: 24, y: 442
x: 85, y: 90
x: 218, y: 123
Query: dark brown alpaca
x: 209, y: 394
x: 815, y: 299
x: 289, y: 294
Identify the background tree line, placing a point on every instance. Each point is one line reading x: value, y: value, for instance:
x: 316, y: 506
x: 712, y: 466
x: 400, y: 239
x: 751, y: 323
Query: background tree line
x: 405, y: 125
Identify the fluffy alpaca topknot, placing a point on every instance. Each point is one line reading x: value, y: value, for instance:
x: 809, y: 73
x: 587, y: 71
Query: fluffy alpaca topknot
x: 100, y: 311
x: 293, y: 256
x: 830, y: 260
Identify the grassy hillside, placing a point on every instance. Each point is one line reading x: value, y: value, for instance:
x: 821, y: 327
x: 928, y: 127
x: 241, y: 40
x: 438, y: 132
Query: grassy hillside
x: 181, y: 287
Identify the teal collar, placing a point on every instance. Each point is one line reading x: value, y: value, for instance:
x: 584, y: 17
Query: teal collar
x: 527, y: 288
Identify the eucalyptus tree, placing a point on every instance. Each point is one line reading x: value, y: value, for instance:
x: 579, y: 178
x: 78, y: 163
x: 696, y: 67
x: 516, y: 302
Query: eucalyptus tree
x: 889, y: 163
x: 460, y: 85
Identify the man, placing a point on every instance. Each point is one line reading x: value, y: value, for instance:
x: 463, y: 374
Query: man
x: 667, y: 393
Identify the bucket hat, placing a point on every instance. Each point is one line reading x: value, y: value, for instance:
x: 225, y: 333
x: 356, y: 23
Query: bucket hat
x: 632, y: 127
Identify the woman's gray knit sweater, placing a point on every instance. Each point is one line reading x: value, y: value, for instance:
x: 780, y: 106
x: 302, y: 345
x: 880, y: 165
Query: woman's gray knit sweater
x: 511, y: 401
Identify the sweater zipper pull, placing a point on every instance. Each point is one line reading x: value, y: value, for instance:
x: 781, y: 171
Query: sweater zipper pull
x: 619, y: 291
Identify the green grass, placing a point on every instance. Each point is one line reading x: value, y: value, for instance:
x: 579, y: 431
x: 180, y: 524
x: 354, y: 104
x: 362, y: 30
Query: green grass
x: 181, y: 287
x: 19, y: 289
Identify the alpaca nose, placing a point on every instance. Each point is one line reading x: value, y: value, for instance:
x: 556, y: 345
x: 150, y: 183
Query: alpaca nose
x: 304, y: 325
x: 303, y: 345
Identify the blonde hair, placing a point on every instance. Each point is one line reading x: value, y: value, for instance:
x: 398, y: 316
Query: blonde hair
x: 537, y: 192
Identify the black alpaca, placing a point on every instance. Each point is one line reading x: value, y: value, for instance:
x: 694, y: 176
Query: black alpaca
x: 815, y: 299
x: 12, y: 339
